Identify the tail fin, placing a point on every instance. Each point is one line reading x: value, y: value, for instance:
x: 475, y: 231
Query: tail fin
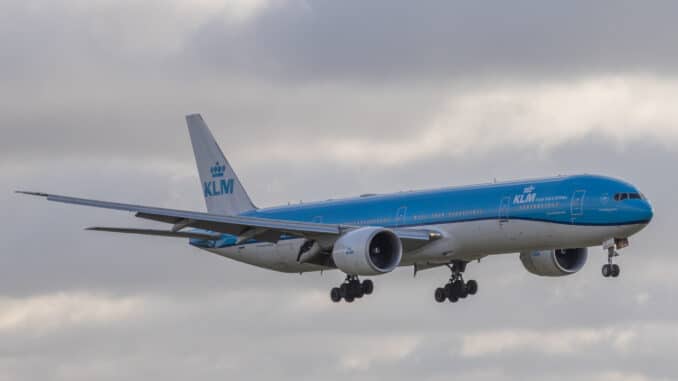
x: 224, y: 194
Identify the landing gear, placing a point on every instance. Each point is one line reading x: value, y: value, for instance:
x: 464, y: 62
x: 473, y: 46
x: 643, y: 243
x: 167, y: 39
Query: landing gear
x: 612, y: 269
x: 456, y: 289
x: 351, y: 289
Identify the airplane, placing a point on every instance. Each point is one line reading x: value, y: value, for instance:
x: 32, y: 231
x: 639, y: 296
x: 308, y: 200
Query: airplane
x: 550, y: 222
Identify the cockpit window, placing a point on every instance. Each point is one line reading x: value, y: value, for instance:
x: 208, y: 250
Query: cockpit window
x: 629, y: 196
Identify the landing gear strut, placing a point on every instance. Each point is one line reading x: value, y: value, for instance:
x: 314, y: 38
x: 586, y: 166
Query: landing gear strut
x: 351, y: 289
x: 456, y: 288
x: 611, y: 269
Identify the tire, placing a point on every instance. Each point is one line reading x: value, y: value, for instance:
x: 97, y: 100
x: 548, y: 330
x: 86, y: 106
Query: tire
x: 335, y: 295
x: 343, y: 289
x: 448, y: 290
x: 463, y: 292
x: 367, y: 287
x: 457, y: 288
x: 453, y: 298
x: 615, y: 271
x: 440, y: 295
x: 472, y: 287
x: 606, y: 271
x: 349, y: 298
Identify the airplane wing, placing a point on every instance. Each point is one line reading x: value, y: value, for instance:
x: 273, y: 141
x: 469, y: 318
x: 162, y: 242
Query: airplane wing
x: 243, y: 227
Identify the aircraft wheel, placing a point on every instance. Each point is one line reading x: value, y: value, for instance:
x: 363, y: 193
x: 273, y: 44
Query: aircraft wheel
x: 349, y: 298
x: 606, y: 270
x: 449, y: 290
x: 367, y: 287
x: 458, y: 288
x: 344, y: 290
x: 615, y: 271
x: 440, y: 295
x: 453, y: 298
x: 472, y: 287
x: 463, y: 292
x: 335, y: 295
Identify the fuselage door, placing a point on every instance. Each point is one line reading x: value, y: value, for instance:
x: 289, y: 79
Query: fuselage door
x: 504, y: 208
x: 400, y: 216
x: 577, y: 204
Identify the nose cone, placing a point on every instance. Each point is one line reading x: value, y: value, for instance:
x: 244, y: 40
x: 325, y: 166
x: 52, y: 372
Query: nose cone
x: 646, y: 213
x: 639, y: 212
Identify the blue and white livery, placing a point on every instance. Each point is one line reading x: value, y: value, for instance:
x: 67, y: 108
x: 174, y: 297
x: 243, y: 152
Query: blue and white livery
x: 551, y: 222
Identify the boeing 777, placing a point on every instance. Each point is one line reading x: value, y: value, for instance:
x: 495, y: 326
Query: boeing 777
x: 550, y: 222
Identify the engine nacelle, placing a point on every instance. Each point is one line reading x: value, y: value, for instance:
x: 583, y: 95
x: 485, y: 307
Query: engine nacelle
x: 554, y: 262
x: 367, y: 251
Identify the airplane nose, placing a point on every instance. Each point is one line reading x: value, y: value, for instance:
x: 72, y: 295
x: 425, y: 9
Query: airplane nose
x: 646, y: 212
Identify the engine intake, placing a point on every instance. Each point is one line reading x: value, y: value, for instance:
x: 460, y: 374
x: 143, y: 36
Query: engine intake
x: 558, y: 262
x: 367, y: 251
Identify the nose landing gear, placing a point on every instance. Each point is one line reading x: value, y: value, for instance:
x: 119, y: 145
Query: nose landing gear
x: 612, y: 269
x: 351, y: 289
x: 456, y: 288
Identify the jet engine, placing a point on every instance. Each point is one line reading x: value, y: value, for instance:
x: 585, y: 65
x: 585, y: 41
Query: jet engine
x: 558, y: 262
x: 367, y: 251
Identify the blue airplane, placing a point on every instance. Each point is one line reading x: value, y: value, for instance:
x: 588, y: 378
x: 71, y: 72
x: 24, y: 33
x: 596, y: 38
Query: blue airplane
x: 550, y: 222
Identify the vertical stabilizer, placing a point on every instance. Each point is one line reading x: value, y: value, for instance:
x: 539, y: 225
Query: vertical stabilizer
x: 224, y: 194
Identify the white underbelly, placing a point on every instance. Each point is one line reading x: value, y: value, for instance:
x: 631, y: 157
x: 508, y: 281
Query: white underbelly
x: 467, y: 240
x: 475, y: 239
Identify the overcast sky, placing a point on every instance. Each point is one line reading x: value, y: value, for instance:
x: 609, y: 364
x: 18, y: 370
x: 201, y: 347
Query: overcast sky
x: 312, y: 100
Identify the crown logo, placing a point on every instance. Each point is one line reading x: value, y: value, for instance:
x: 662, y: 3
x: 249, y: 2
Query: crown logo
x: 217, y: 170
x: 529, y: 189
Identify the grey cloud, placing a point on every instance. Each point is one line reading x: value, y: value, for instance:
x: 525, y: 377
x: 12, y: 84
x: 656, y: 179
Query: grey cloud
x: 390, y: 40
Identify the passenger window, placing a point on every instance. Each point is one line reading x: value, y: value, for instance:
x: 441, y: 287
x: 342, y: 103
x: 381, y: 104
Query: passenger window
x: 634, y: 196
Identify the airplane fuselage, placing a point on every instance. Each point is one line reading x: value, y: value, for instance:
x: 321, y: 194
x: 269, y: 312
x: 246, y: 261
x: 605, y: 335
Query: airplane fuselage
x: 473, y: 221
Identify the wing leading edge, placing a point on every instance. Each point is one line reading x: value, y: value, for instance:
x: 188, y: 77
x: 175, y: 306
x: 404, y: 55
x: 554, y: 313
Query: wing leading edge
x: 241, y: 226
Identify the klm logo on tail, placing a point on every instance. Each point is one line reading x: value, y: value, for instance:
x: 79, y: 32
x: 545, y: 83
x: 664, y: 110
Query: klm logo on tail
x: 218, y: 186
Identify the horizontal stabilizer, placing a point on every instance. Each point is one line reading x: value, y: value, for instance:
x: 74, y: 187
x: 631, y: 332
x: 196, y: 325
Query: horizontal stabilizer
x: 162, y: 233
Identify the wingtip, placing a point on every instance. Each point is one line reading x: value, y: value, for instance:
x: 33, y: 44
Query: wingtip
x: 39, y: 194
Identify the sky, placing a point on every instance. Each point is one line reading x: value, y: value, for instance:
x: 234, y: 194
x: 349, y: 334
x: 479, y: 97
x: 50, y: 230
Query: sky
x: 317, y: 99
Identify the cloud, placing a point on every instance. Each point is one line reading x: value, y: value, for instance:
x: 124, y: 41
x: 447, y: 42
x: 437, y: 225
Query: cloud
x: 451, y: 122
x: 536, y: 116
x: 41, y: 314
x: 361, y: 353
x: 565, y: 342
x: 386, y: 41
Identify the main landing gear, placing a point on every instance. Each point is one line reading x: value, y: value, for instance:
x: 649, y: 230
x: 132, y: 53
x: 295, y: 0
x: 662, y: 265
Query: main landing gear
x: 351, y: 289
x: 612, y: 269
x: 456, y: 288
